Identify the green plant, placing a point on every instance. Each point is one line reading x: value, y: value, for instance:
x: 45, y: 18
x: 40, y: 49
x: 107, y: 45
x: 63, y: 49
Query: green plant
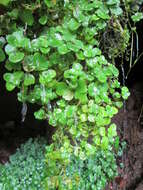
x: 90, y: 174
x: 5, y: 2
x: 26, y: 169
x: 61, y: 56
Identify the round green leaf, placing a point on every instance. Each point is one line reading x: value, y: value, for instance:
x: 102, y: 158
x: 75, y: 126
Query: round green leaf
x: 61, y: 87
x: 9, y: 49
x: 16, y: 38
x: 73, y: 24
x: 12, y: 66
x: 102, y: 14
x: 137, y: 17
x: 40, y: 62
x: 43, y: 20
x: 68, y: 95
x: 10, y: 86
x: 16, y: 57
x: 63, y: 49
x: 125, y: 92
x: 28, y: 63
x: 29, y: 79
x: 47, y: 76
x: 40, y: 114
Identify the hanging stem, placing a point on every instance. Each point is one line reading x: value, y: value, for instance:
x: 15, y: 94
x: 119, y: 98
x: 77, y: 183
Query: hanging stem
x: 131, y: 55
x: 137, y: 44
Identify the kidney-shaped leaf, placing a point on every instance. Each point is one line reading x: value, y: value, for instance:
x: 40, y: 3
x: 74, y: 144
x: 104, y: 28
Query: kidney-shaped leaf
x: 29, y: 79
x: 16, y: 57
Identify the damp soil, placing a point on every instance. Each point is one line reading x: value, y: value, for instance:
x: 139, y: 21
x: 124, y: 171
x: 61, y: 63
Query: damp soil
x: 129, y: 122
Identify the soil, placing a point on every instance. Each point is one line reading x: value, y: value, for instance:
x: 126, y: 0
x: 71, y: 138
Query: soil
x: 129, y: 121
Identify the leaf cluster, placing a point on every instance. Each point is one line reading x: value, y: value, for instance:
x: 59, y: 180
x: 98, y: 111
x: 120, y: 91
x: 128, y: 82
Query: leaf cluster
x: 91, y: 173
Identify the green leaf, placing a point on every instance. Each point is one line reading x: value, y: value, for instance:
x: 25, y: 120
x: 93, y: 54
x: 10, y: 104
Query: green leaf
x: 80, y: 55
x: 14, y: 13
x: 61, y: 87
x: 16, y: 57
x: 29, y: 79
x: 112, y: 2
x: 72, y: 47
x: 18, y: 76
x: 12, y: 66
x: 61, y: 103
x: 68, y: 95
x: 27, y: 17
x: 40, y: 62
x: 117, y: 143
x: 111, y: 110
x: 90, y: 149
x: 49, y: 3
x: 93, y: 90
x: 101, y: 77
x: 63, y: 49
x: 101, y: 13
x: 83, y: 117
x: 73, y: 24
x: 91, y: 118
x: 45, y: 50
x: 102, y: 131
x: 81, y: 88
x: 63, y: 119
x: 81, y: 91
x: 46, y: 95
x: 116, y: 11
x: 13, y: 79
x: 82, y: 97
x: 28, y: 63
x: 5, y: 2
x: 2, y: 55
x: 137, y: 17
x: 96, y: 140
x: 10, y: 86
x: 70, y: 111
x: 52, y: 120
x: 16, y: 38
x: 104, y: 142
x: 47, y: 76
x: 40, y: 114
x: 91, y: 52
x: 112, y: 131
x: 114, y: 70
x: 125, y: 92
x: 10, y: 49
x: 43, y: 20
